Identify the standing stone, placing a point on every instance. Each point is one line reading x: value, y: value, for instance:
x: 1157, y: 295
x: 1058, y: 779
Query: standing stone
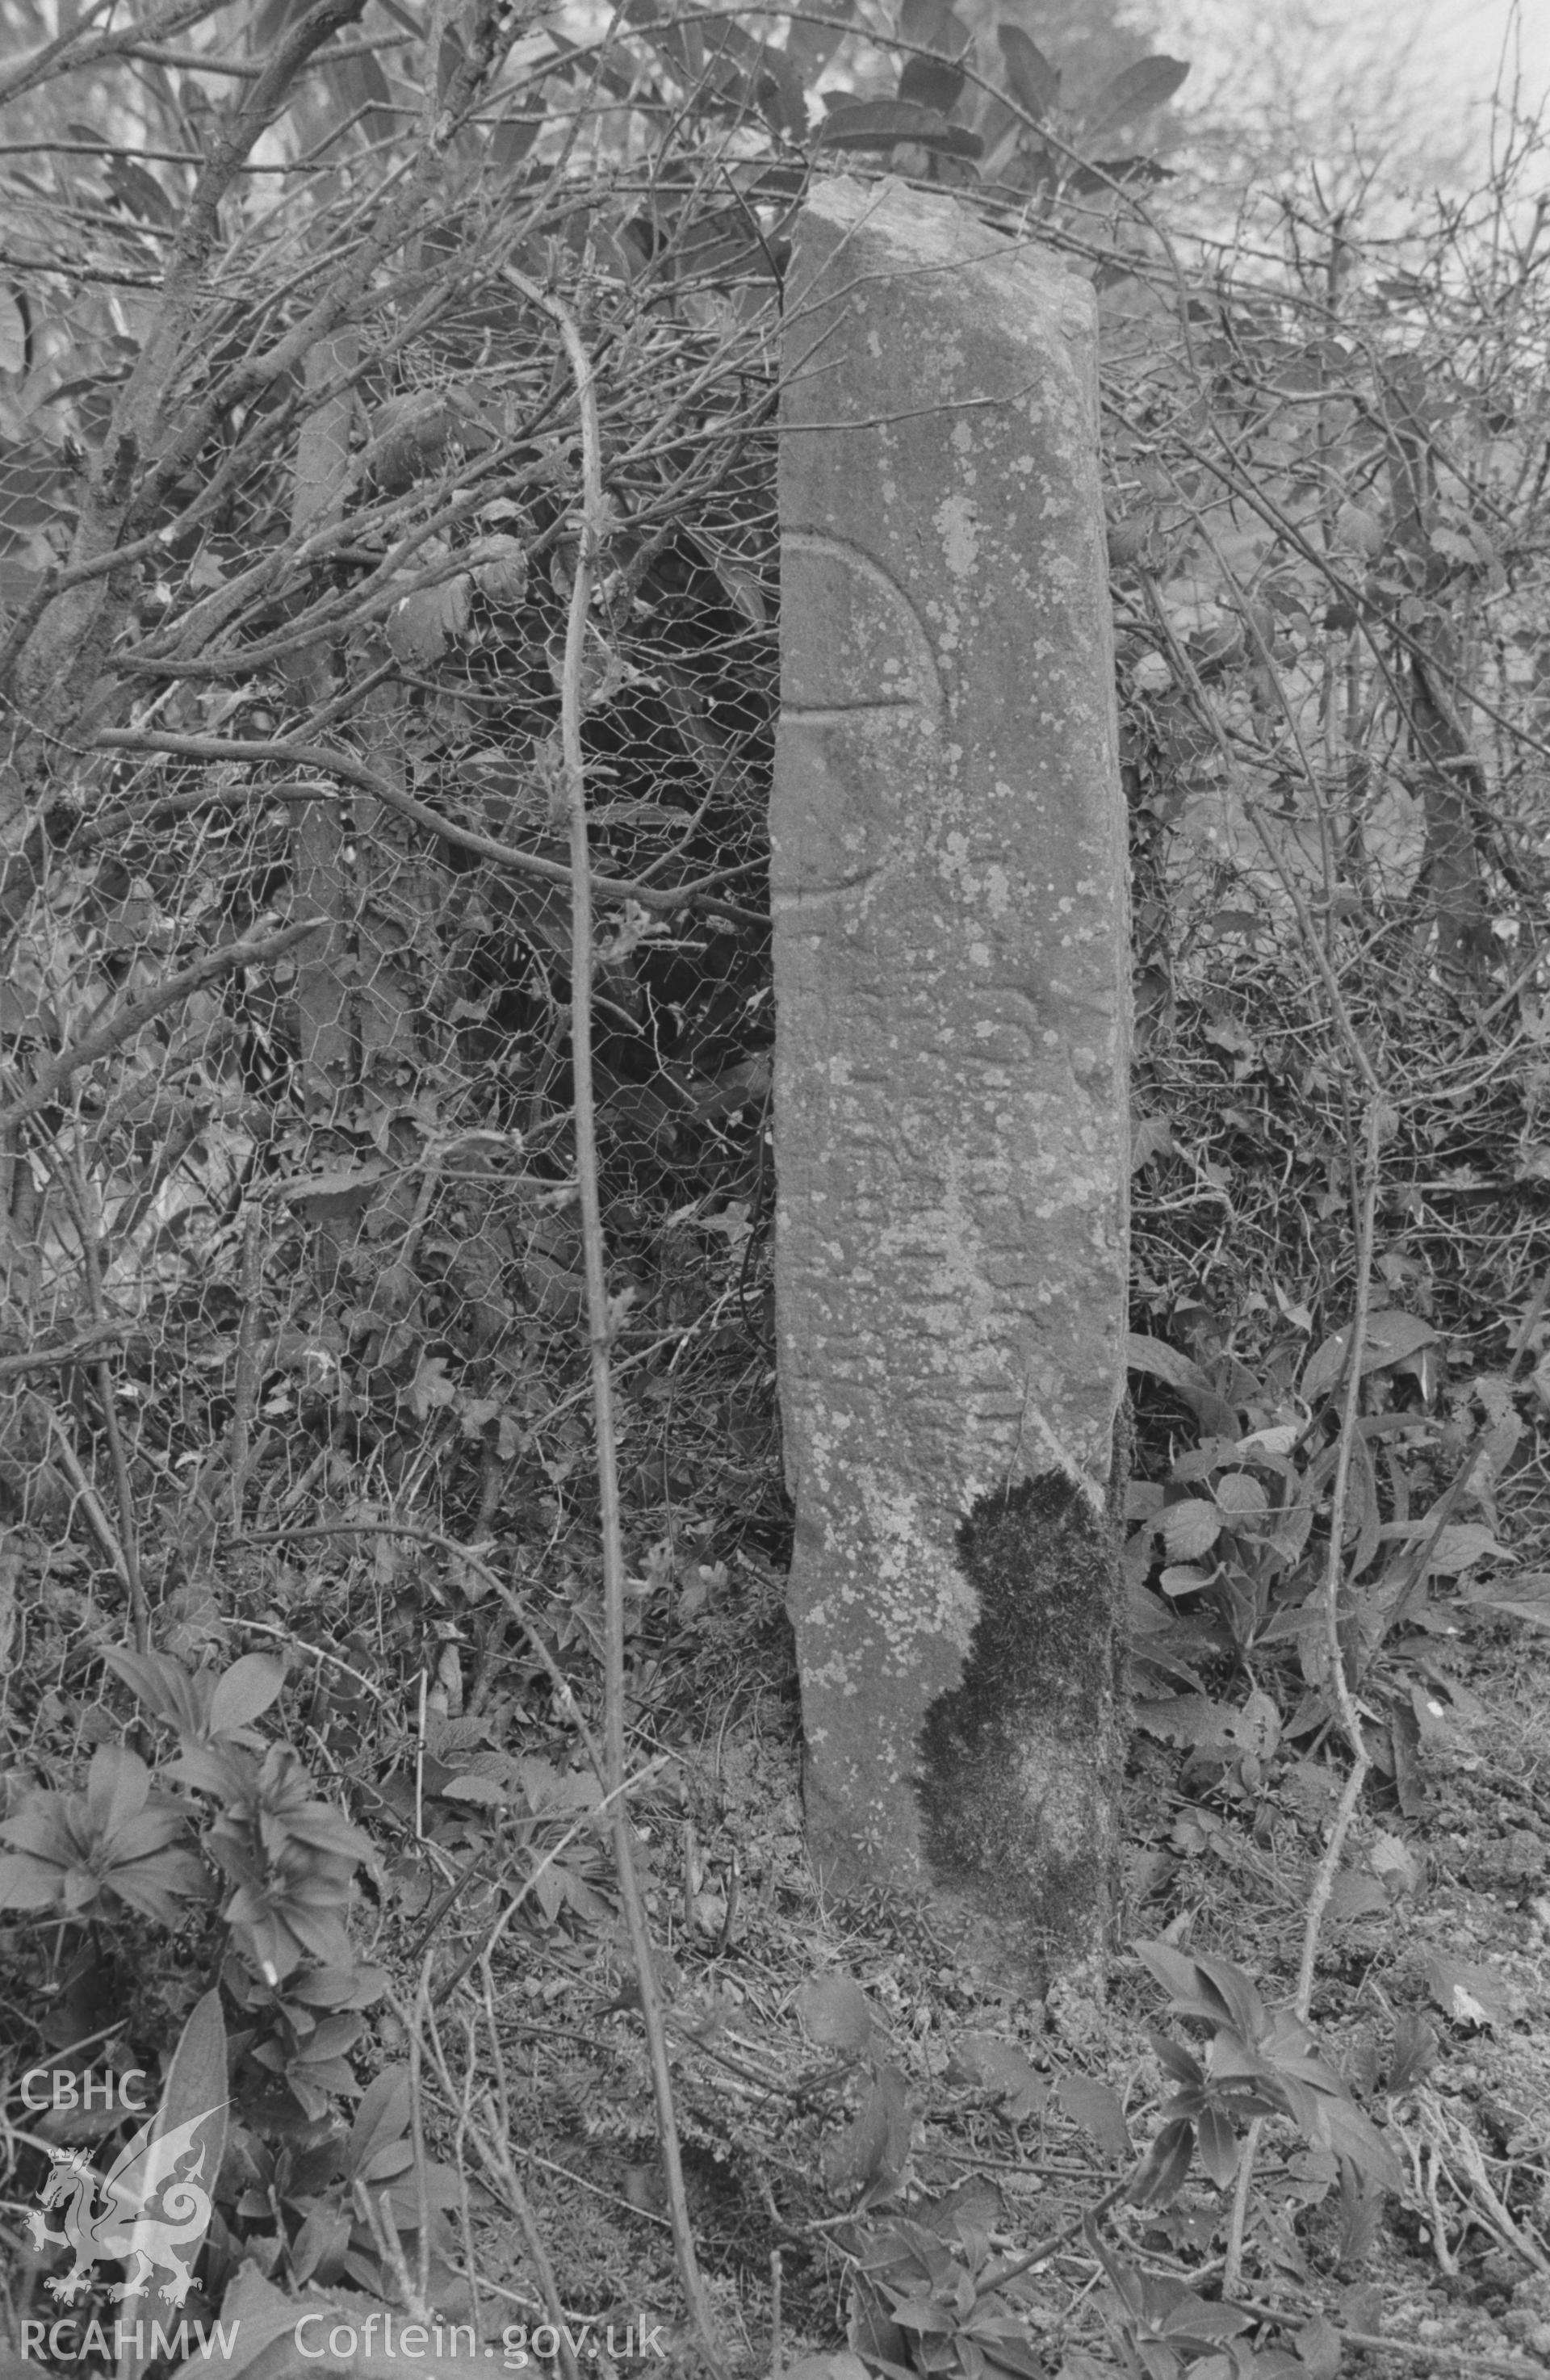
x: 952, y: 971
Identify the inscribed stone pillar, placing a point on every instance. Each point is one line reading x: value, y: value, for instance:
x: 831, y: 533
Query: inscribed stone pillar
x: 951, y: 970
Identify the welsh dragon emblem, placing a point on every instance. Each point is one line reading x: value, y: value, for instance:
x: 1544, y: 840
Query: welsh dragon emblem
x: 142, y: 2212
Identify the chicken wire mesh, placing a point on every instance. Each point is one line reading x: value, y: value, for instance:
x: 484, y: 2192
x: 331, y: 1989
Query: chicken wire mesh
x: 315, y: 1215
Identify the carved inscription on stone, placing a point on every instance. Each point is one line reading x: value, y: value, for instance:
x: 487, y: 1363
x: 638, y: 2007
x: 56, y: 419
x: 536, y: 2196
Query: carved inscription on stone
x: 951, y: 976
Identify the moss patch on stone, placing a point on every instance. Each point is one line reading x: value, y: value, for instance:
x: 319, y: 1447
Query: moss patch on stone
x: 1020, y: 1762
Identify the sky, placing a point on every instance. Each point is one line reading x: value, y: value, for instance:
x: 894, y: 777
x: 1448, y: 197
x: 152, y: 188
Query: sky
x: 1469, y: 36
x: 1442, y: 55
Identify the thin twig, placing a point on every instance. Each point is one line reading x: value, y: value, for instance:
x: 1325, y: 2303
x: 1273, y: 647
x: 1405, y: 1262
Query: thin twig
x: 349, y: 771
x: 54, y: 1359
x: 594, y: 521
x: 1414, y: 2350
x: 102, y: 1526
x: 72, y: 1181
x: 141, y: 1006
x: 1238, y: 2222
x: 1345, y: 1702
x: 247, y: 1355
x: 997, y: 2278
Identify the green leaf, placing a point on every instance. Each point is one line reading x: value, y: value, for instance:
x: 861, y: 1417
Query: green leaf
x: 425, y: 623
x: 151, y: 1831
x: 1239, y: 1496
x: 326, y: 1830
x: 1391, y: 1336
x: 876, y: 2145
x: 381, y: 2118
x: 1525, y: 1595
x: 163, y: 1687
x: 28, y: 1883
x: 1150, y: 84
x: 1098, y: 2109
x: 1167, y: 2163
x: 1218, y: 2145
x: 884, y: 123
x: 1468, y: 1994
x: 42, y: 1827
x: 1189, y: 1529
x: 1354, y: 2136
x: 1033, y: 83
x: 1174, y: 2058
x: 13, y: 334
x: 117, y: 1786
x: 246, y: 1688
x: 931, y: 82
x: 834, y: 2013
x: 999, y: 2065
x: 1161, y: 1362
x: 223, y: 1771
x: 1238, y: 1995
x: 155, y: 1886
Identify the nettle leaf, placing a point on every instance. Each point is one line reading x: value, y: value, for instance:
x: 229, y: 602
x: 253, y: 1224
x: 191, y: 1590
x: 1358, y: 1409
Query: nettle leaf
x: 834, y: 2013
x: 1190, y: 1529
x: 420, y: 628
x: 1467, y: 1992
x: 1033, y: 83
x: 999, y: 2065
x: 1098, y: 2110
x: 1241, y: 1497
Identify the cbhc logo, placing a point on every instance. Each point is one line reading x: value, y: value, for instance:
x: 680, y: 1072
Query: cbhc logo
x: 62, y: 2087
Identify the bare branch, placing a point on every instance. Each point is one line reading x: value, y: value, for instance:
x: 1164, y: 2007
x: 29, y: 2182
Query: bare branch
x: 138, y: 1010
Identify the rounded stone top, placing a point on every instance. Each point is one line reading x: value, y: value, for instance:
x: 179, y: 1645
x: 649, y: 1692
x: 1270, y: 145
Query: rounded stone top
x: 929, y: 229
